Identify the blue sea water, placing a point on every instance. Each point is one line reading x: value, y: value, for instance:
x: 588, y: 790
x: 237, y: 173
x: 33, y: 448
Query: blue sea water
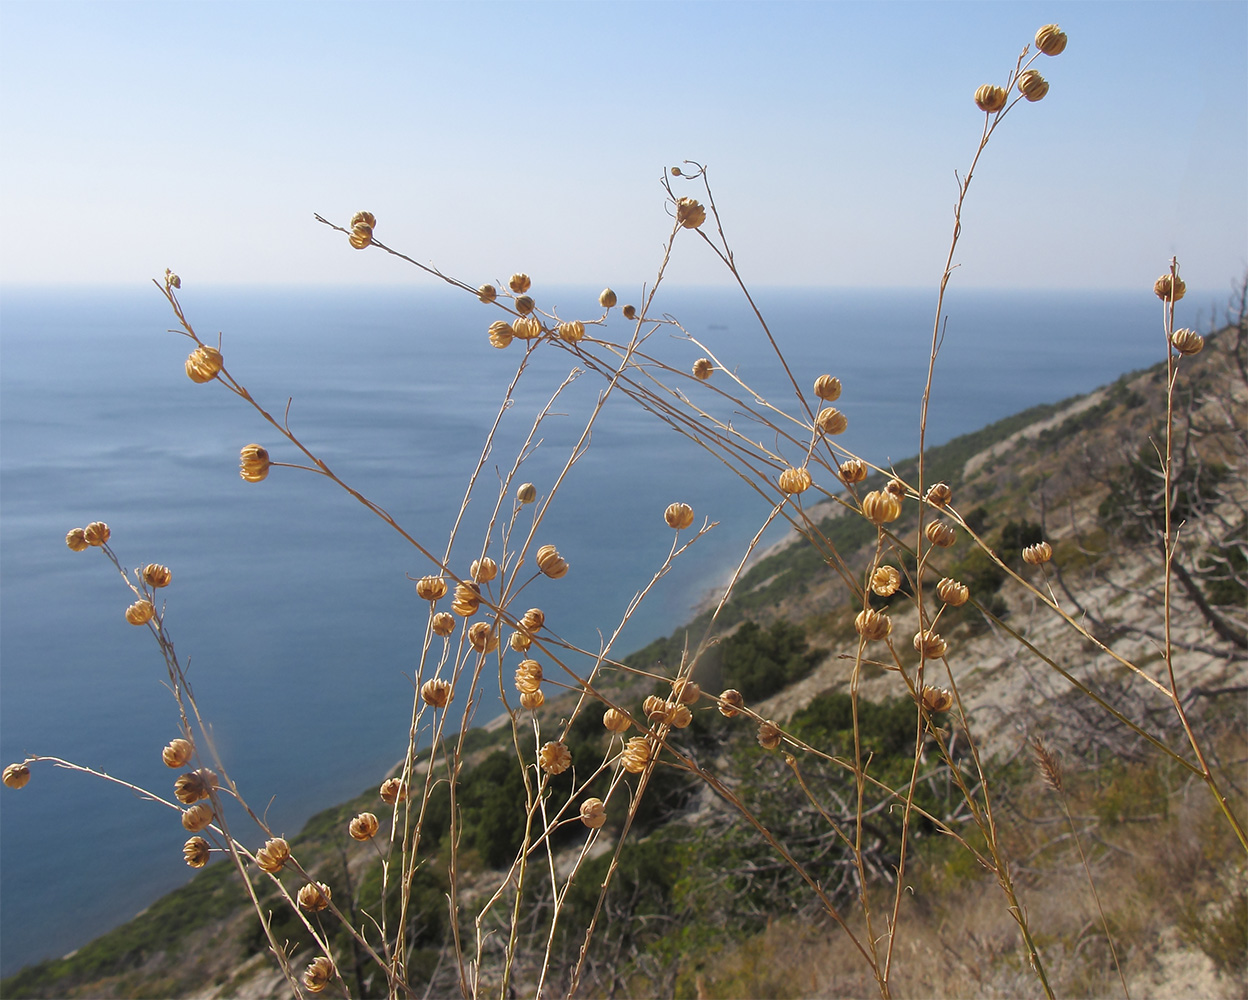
x: 292, y: 604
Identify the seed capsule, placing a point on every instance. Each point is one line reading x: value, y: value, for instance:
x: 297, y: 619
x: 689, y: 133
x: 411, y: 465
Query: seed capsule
x: 519, y: 283
x: 16, y: 776
x: 195, y: 851
x: 769, y: 735
x: 702, y: 369
x: 550, y: 562
x: 364, y: 219
x: 155, y: 575
x: 319, y: 974
x: 615, y: 720
x: 197, y: 818
x: 483, y: 570
x: 897, y: 488
x: 678, y: 516
x: 939, y: 494
x: 361, y: 235
x: 194, y: 786
x: 690, y: 213
x: 828, y: 388
x: 528, y: 676
x: 253, y: 463
x: 573, y: 332
x: 533, y: 619
x: 555, y: 758
x: 393, y: 790
x: 630, y: 312
x: 315, y: 896
x: 679, y: 715
x: 930, y: 644
x: 524, y: 304
x: 467, y: 599
x: 686, y: 691
x: 204, y: 364
x: 273, y: 855
x: 1051, y: 40
x: 952, y: 592
x: 1169, y: 288
x: 795, y: 481
x: 654, y: 708
x: 607, y: 299
x: 527, y: 328
x: 482, y: 637
x: 487, y: 293
x: 431, y: 588
x: 873, y: 625
x: 881, y: 507
x: 940, y: 534
x: 1034, y: 555
x: 593, y: 813
x: 936, y: 699
x: 1032, y: 85
x: 885, y: 581
x: 532, y: 700
x: 177, y: 753
x: 831, y: 420
x: 1187, y: 341
x: 501, y: 334
x: 436, y: 692
x: 172, y: 280
x: 853, y: 470
x: 636, y: 755
x: 363, y: 827
x: 77, y: 540
x: 731, y: 702
x: 140, y: 613
x: 990, y: 98
x: 527, y: 493
x: 520, y: 641
x: 442, y: 624
x: 96, y: 533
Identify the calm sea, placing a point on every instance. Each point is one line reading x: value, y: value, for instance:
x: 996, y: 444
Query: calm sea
x: 290, y: 602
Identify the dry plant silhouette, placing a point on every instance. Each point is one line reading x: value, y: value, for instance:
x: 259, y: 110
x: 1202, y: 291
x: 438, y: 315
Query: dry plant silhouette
x: 447, y: 902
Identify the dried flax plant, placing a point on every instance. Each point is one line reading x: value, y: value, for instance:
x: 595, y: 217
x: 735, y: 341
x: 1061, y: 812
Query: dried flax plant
x: 480, y: 637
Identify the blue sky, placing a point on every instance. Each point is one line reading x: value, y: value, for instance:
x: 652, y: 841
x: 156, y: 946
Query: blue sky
x: 490, y: 138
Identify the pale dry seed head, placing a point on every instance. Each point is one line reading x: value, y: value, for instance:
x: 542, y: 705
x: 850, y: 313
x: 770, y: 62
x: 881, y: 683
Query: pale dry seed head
x: 482, y: 637
x: 483, y: 570
x: 177, y: 753
x: 881, y: 507
x: 679, y: 715
x: 520, y: 641
x: 194, y: 785
x: 442, y: 624
x: 524, y: 304
x: 593, y: 813
x: 885, y: 581
x: 527, y: 493
x: 873, y: 625
x: 140, y: 612
x: 1051, y: 40
x: 615, y: 721
x: 852, y: 470
x: 952, y: 592
x: 769, y: 735
x: 654, y: 708
x: 930, y: 644
x: 690, y: 213
x: 16, y: 776
x: 315, y: 896
x: 731, y: 701
x: 528, y: 676
x: 939, y: 494
x: 467, y: 599
x: 831, y: 420
x: 940, y: 534
x: 550, y: 562
x: 363, y: 827
x: 519, y: 283
x: 897, y: 488
x: 253, y: 463
x: 555, y: 758
x: 96, y: 533
x: 678, y: 516
x: 501, y: 334
x: 195, y: 852
x: 487, y: 293
x: 533, y: 619
x: 1187, y: 341
x: 1034, y: 555
x: 436, y: 692
x: 1169, y: 288
x: 156, y: 575
x: 527, y: 328
x: 318, y: 974
x: 702, y: 369
x: 686, y: 691
x: 393, y: 790
x: 937, y: 699
x: 630, y: 312
x: 203, y: 364
x: 431, y: 588
x: 361, y: 235
x: 990, y: 98
x: 573, y: 331
x: 77, y: 540
x: 795, y: 481
x: 197, y: 818
x: 636, y: 754
x: 273, y: 856
x: 532, y: 700
x: 607, y: 299
x: 1032, y: 85
x: 1048, y: 764
x: 364, y: 219
x: 828, y: 388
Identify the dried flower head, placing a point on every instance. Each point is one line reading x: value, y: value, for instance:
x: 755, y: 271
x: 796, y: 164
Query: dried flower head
x: 318, y: 974
x: 702, y: 369
x: 253, y: 463
x: 555, y: 758
x: 1170, y: 288
x: 1051, y: 40
x: 828, y: 388
x: 952, y: 592
x: 431, y: 588
x: 885, y: 581
x: 195, y: 852
x: 679, y: 715
x: 678, y: 516
x: 520, y: 641
x: 873, y: 625
x: 731, y: 701
x: 204, y: 364
x: 177, y: 753
x: 273, y: 855
x: 930, y: 645
x: 443, y: 624
x: 194, y: 785
x: 690, y: 213
x: 482, y: 637
x: 593, y: 813
x: 940, y: 534
x: 550, y: 562
x: 519, y: 283
x: 852, y: 470
x: 467, y: 599
x: 615, y: 721
x: 77, y: 540
x: 654, y: 708
x: 527, y: 328
x: 393, y: 790
x: 686, y: 691
x: 16, y: 776
x: 830, y: 420
x: 881, y: 507
x: 436, y: 692
x: 315, y: 896
x: 501, y: 334
x: 532, y: 700
x: 1187, y: 341
x: 524, y: 304
x: 636, y: 754
x: 1034, y: 555
x: 1047, y: 762
x: 990, y: 98
x: 630, y: 312
x: 572, y: 331
x: 1032, y: 85
x: 937, y: 699
x: 939, y: 494
x: 361, y: 235
x: 487, y: 293
x: 140, y: 612
x: 156, y: 575
x: 364, y: 219
x: 795, y: 480
x: 483, y: 570
x: 96, y: 533
x: 769, y: 735
x: 363, y: 827
x: 607, y: 299
x: 528, y: 675
x: 897, y: 488
x: 533, y: 619
x: 197, y: 817
x: 527, y: 493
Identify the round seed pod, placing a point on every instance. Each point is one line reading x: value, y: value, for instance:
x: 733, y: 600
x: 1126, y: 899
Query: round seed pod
x: 555, y: 758
x: 731, y: 702
x: 572, y: 332
x: 607, y: 299
x: 636, y: 754
x: 630, y: 312
x: 939, y: 494
x: 363, y: 827
x: 897, y: 488
x: 364, y: 219
x: 550, y: 562
x: 769, y: 735
x: 519, y: 283
x: 253, y: 463
x: 467, y: 599
x: 1187, y: 341
x: 501, y: 334
x: 527, y: 328
x: 930, y: 644
x: 831, y: 420
x: 319, y: 974
x: 361, y: 236
x: 195, y: 852
x: 675, y: 171
x: 852, y: 470
x: 172, y: 280
x: 990, y: 98
x: 533, y: 619
x: 140, y: 612
x: 96, y: 533
x: 77, y: 540
x: 431, y: 588
x: 702, y: 369
x: 273, y: 855
x: 487, y: 294
x: 436, y: 692
x: 885, y: 581
x: 527, y: 493
x: 1034, y: 555
x: 204, y: 364
x: 1032, y: 85
x: 520, y: 641
x: 156, y: 575
x: 795, y: 481
x: 679, y: 715
x: 678, y: 516
x: 1169, y: 288
x: 690, y: 213
x: 177, y: 753
x: 315, y: 896
x: 482, y: 637
x: 532, y: 700
x: 16, y: 776
x: 937, y: 699
x: 873, y: 625
x: 393, y: 790
x: 615, y: 721
x: 1051, y: 40
x: 194, y: 786
x: 443, y: 623
x: 940, y: 534
x: 881, y: 507
x: 593, y: 813
x: 483, y: 570
x: 528, y: 676
x: 524, y: 304
x: 197, y: 818
x: 686, y: 691
x: 828, y: 388
x: 654, y: 708
x: 952, y: 592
